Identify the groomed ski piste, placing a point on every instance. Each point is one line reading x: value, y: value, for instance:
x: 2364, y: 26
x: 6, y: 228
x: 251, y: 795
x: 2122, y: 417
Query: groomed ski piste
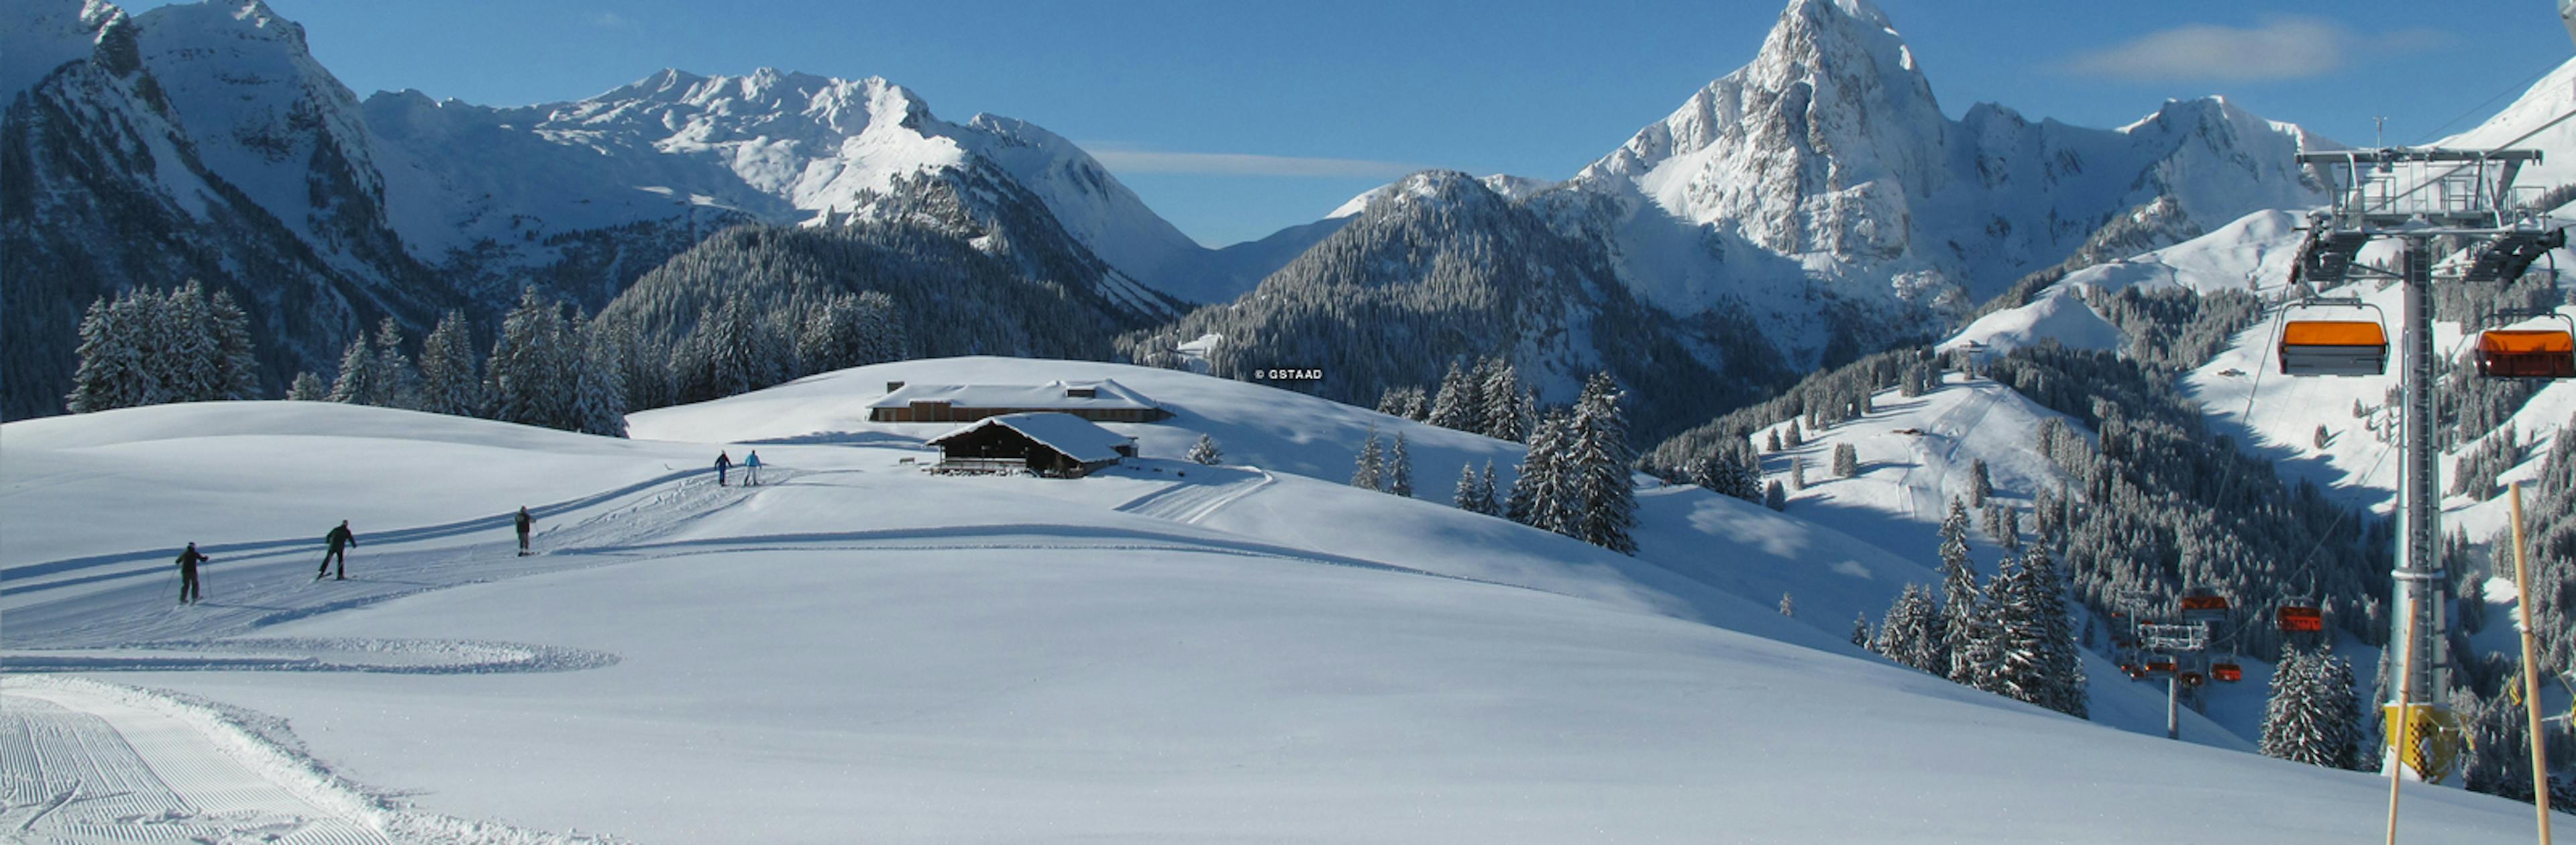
x: 859, y: 651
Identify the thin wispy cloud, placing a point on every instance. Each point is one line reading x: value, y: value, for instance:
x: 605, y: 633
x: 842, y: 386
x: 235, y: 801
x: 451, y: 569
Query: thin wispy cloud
x: 2283, y: 47
x: 612, y: 20
x: 1244, y: 164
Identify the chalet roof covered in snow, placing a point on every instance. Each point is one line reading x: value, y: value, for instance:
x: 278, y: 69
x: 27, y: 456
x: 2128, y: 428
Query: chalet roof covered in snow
x: 1075, y: 437
x: 1059, y: 394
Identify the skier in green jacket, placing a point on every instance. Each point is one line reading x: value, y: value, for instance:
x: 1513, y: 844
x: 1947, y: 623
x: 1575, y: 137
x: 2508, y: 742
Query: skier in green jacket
x: 340, y: 540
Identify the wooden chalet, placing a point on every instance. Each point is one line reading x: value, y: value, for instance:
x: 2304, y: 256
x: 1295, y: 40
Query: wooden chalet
x: 1097, y: 401
x: 1047, y: 443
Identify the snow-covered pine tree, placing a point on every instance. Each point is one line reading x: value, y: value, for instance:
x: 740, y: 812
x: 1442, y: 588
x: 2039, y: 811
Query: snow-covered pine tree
x: 2035, y: 652
x: 1963, y: 631
x: 110, y: 374
x: 1605, y: 489
x: 599, y: 392
x: 529, y: 379
x: 1507, y: 401
x: 828, y: 338
x: 1980, y: 485
x: 1369, y: 469
x: 1399, y: 468
x: 1205, y: 451
x: 882, y: 334
x: 1486, y: 493
x: 1797, y: 473
x: 1911, y: 632
x: 238, y: 358
x: 397, y: 382
x: 1535, y: 487
x: 2347, y: 728
x: 448, y: 382
x: 2290, y: 730
x: 190, y: 364
x: 1772, y: 441
x: 1860, y: 630
x: 1797, y: 435
x: 1775, y: 498
x: 308, y: 387
x: 357, y: 383
x: 1456, y: 405
x: 1465, y: 493
x: 1846, y: 460
x: 1788, y: 606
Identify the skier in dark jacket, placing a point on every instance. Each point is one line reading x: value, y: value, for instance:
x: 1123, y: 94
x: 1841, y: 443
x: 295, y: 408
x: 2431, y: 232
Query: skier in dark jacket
x: 340, y: 540
x: 189, y: 592
x: 723, y: 462
x: 523, y: 522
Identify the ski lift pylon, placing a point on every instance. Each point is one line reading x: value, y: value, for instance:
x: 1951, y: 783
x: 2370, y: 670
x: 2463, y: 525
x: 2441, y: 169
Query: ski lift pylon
x: 2529, y: 353
x: 2324, y: 347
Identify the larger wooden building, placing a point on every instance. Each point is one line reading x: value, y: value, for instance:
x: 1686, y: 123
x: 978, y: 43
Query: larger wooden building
x: 1097, y: 401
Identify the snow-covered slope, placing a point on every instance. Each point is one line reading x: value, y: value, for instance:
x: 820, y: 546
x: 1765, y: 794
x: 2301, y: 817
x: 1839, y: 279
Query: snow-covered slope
x: 2547, y: 100
x: 2253, y: 254
x: 857, y: 650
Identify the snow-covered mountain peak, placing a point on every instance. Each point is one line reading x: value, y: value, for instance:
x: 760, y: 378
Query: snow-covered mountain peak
x: 40, y: 40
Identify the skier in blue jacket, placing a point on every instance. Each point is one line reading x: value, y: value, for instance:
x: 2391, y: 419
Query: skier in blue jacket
x: 751, y: 469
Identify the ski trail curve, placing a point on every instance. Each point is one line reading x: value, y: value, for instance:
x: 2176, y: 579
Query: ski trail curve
x: 85, y: 767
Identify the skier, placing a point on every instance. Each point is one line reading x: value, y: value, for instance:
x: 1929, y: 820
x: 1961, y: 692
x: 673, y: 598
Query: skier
x: 722, y: 463
x: 340, y: 540
x: 523, y: 522
x: 751, y: 469
x: 189, y: 592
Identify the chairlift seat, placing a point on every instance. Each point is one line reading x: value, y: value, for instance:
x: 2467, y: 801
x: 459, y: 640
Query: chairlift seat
x: 2301, y: 619
x: 2526, y: 353
x: 2334, y: 348
x: 2228, y: 672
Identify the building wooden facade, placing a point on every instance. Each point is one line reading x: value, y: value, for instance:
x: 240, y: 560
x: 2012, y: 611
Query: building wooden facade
x: 1051, y: 444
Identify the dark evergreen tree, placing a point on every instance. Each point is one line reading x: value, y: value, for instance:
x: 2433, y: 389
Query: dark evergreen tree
x: 1399, y: 468
x: 1846, y: 460
x: 239, y: 358
x: 1860, y: 630
x: 531, y: 376
x: 1965, y: 633
x: 308, y: 387
x: 1509, y: 405
x: 449, y: 383
x: 1604, y: 489
x: 1979, y: 485
x: 1486, y: 493
x: 1775, y: 498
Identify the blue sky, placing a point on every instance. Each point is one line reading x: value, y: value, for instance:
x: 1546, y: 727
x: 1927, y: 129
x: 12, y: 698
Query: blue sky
x: 1236, y: 119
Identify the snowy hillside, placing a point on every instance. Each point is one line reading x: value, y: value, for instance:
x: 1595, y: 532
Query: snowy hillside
x: 2547, y: 100
x: 2252, y: 254
x: 857, y: 649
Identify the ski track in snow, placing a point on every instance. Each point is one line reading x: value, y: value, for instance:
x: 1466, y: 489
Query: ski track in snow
x: 86, y: 767
x: 1191, y: 504
x: 1953, y: 425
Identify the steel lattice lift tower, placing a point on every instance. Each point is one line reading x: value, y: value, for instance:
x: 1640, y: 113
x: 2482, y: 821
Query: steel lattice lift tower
x: 2414, y: 196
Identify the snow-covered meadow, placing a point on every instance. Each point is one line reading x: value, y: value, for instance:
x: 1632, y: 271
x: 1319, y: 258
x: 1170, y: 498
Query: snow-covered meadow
x: 857, y: 650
